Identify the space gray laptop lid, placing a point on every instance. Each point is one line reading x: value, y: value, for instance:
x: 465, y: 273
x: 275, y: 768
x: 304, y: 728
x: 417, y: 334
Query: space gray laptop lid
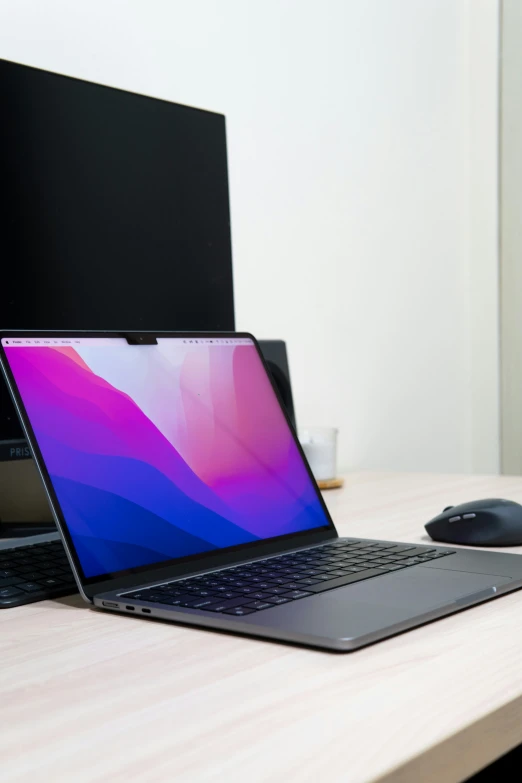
x: 161, y: 453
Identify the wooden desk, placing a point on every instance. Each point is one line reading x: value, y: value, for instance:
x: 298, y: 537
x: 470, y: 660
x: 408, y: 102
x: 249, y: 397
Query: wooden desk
x: 89, y: 697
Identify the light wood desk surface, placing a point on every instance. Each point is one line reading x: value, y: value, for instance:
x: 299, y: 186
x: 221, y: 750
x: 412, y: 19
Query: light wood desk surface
x: 88, y: 697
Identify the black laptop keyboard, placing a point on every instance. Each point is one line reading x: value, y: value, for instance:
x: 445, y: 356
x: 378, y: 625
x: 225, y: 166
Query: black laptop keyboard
x: 33, y: 573
x: 264, y: 584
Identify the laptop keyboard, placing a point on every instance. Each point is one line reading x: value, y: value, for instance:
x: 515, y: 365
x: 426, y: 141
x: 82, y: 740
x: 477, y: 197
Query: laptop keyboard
x: 263, y: 584
x: 33, y: 573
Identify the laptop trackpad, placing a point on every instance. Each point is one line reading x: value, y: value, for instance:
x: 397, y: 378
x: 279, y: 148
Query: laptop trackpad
x: 425, y: 588
x: 366, y: 607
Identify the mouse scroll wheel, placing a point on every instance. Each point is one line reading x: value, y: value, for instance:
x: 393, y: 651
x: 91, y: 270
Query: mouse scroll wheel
x: 447, y: 508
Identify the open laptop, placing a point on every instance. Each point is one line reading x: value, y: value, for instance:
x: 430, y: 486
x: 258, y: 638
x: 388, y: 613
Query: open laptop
x: 182, y: 494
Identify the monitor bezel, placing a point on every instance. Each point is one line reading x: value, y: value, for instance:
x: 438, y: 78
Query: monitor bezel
x: 164, y: 570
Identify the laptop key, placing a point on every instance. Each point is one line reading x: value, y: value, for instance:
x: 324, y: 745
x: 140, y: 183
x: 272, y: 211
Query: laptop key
x: 9, y: 592
x: 420, y: 550
x: 336, y: 573
x: 296, y: 594
x: 401, y: 548
x: 198, y: 603
x: 172, y: 591
x: 368, y: 573
x: 220, y: 606
x: 10, y: 582
x: 24, y: 569
x: 52, y: 581
x: 34, y: 576
x: 157, y: 597
x: 258, y: 605
x: 171, y: 600
x: 389, y: 545
x: 30, y: 587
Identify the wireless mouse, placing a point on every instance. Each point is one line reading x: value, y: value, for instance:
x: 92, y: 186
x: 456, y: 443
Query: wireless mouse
x: 489, y: 522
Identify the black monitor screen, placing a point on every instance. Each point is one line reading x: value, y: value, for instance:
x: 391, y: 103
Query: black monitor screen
x: 114, y: 209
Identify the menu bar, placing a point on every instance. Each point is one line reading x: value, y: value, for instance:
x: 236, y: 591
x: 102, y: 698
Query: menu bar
x: 216, y: 341
x: 62, y: 342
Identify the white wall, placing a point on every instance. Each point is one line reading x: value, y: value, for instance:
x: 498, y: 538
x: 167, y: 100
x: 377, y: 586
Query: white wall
x: 483, y: 250
x: 350, y: 153
x: 511, y: 236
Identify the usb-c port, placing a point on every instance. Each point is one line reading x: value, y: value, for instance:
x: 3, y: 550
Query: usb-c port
x: 130, y: 608
x: 146, y: 611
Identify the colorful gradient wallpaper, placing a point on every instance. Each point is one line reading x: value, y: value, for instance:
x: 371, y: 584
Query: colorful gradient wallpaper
x: 159, y: 452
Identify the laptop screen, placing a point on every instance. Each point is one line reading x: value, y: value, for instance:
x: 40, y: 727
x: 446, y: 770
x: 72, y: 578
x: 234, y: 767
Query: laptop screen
x: 160, y: 452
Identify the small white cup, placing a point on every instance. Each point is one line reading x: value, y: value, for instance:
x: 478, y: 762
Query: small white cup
x: 320, y: 447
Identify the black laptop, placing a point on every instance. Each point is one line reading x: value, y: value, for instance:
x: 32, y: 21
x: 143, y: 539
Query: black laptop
x: 182, y: 494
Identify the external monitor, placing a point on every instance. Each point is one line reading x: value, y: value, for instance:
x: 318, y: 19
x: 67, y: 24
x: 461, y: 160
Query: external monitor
x: 114, y: 214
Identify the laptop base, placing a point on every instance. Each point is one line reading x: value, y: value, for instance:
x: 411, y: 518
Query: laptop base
x: 355, y: 615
